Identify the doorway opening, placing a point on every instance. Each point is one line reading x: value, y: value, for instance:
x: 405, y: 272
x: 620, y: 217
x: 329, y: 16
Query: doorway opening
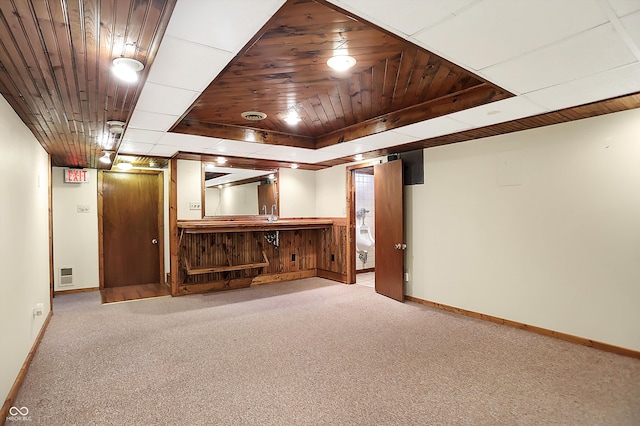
x: 361, y: 257
x: 365, y: 251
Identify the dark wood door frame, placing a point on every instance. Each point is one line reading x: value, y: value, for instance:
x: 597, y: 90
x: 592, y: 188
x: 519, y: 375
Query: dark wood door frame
x: 351, y: 219
x: 160, y: 175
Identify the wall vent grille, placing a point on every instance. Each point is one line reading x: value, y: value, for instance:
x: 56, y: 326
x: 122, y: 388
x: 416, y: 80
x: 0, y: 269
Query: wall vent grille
x: 66, y: 277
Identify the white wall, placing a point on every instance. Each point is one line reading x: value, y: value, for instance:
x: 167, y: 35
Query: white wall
x: 540, y: 227
x: 75, y: 234
x: 24, y: 243
x: 189, y: 176
x: 297, y: 193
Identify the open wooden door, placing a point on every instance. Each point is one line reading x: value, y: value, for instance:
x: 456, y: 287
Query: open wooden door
x: 389, y: 217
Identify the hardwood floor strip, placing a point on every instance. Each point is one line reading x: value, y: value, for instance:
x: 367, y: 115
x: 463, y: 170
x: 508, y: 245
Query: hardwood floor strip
x: 539, y: 330
x: 133, y: 292
x: 75, y: 290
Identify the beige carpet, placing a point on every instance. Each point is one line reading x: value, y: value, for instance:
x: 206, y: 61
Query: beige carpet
x: 312, y: 352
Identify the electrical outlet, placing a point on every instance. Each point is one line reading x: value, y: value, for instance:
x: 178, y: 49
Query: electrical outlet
x: 194, y: 205
x: 82, y: 208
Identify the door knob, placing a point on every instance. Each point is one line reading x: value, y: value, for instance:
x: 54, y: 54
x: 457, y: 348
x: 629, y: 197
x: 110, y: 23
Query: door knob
x: 154, y: 241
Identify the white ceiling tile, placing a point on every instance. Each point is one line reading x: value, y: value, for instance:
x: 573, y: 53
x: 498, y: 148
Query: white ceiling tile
x: 588, y: 53
x: 609, y: 84
x: 498, y: 112
x: 504, y: 29
x: 223, y: 24
x: 631, y: 24
x: 296, y: 155
x: 135, y: 148
x: 229, y: 147
x: 385, y: 139
x: 432, y: 128
x: 151, y: 121
x: 404, y: 16
x: 165, y: 99
x: 188, y: 143
x: 187, y: 65
x: 140, y: 135
x: 163, y: 150
x: 624, y: 7
x: 347, y: 148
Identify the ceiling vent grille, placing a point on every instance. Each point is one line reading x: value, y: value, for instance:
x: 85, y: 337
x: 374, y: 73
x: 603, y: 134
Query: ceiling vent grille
x: 253, y: 115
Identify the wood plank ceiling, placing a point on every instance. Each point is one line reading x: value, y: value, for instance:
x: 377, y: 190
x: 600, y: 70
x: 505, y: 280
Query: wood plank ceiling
x: 55, y: 61
x: 56, y: 56
x: 284, y: 70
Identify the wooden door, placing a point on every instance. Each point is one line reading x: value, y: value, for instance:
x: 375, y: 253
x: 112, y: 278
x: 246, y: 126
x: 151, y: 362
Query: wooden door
x: 389, y: 218
x: 131, y: 228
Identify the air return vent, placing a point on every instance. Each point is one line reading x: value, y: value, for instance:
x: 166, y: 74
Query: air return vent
x: 66, y: 277
x: 253, y: 115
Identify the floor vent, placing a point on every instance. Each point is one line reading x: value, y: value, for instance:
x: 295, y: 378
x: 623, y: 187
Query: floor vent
x: 66, y: 277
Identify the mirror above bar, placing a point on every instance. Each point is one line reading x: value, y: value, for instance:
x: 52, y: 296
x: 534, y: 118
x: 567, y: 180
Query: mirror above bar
x: 236, y: 191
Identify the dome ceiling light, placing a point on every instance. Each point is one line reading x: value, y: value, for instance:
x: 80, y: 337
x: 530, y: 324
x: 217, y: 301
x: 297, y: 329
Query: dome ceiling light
x: 127, y: 69
x: 106, y: 157
x: 341, y: 62
x: 115, y: 127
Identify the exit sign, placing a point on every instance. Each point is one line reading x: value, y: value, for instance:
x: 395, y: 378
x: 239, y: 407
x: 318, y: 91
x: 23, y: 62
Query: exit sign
x: 76, y: 175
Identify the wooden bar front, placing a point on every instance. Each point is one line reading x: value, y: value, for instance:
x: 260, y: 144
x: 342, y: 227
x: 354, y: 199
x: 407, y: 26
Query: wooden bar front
x: 216, y: 255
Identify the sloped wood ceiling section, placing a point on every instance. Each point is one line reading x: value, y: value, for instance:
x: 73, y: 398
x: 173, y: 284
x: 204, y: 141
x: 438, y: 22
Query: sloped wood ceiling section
x: 283, y: 70
x: 55, y: 68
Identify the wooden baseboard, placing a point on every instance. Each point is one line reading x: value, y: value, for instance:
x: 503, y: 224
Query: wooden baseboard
x: 539, y: 330
x: 285, y: 276
x: 363, y: 271
x: 13, y: 393
x: 244, y: 282
x: 334, y: 276
x: 75, y: 290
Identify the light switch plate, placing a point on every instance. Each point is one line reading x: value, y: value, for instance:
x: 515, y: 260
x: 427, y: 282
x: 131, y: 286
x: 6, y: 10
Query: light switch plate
x: 194, y: 205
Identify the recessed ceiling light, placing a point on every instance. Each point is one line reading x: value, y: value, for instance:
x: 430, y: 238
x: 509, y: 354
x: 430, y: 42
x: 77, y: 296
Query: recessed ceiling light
x: 358, y: 157
x: 127, y: 69
x: 220, y: 186
x: 221, y: 160
x: 493, y: 112
x: 294, y: 166
x: 272, y: 176
x: 341, y: 62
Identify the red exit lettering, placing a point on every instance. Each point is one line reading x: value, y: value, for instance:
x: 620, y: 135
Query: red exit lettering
x: 77, y: 175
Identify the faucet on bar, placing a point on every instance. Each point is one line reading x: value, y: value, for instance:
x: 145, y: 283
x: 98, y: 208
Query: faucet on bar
x: 264, y: 209
x: 273, y: 217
